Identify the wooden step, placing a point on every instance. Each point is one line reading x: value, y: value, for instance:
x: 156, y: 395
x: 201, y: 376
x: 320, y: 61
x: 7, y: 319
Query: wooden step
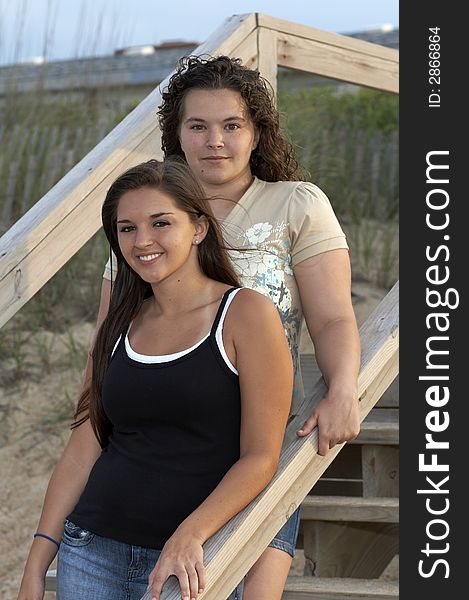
x: 311, y: 373
x: 317, y: 588
x: 350, y: 508
x: 339, y: 588
x: 381, y: 427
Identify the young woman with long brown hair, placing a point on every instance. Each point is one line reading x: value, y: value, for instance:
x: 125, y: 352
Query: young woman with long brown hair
x: 169, y: 440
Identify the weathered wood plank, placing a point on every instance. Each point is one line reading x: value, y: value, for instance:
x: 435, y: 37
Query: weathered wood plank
x: 267, y: 62
x: 247, y: 50
x: 51, y: 580
x: 326, y: 37
x: 337, y: 508
x: 338, y: 63
x: 332, y: 588
x: 373, y: 432
x: 380, y: 465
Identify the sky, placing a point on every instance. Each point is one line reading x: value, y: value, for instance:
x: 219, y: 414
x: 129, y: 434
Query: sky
x: 61, y: 29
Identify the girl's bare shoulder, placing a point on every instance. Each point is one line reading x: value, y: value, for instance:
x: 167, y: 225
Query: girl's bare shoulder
x: 252, y: 307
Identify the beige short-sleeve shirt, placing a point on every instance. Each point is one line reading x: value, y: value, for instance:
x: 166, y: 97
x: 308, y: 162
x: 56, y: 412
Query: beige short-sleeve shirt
x: 276, y: 226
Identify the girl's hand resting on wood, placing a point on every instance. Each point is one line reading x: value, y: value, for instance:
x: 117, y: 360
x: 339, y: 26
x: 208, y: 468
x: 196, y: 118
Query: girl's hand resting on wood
x: 183, y: 557
x: 338, y: 419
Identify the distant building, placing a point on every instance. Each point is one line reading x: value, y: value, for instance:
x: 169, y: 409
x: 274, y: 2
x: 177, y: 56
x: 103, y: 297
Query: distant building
x: 114, y: 81
x: 127, y: 76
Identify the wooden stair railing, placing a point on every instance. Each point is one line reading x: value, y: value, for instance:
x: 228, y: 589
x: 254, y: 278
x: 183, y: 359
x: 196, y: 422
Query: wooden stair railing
x: 350, y: 508
x: 231, y: 552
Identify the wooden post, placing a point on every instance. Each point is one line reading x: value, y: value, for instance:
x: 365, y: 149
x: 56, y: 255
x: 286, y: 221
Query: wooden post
x: 267, y: 62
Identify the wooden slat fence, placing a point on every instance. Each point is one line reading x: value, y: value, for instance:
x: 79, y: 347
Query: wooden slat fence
x: 338, y: 161
x: 34, y: 161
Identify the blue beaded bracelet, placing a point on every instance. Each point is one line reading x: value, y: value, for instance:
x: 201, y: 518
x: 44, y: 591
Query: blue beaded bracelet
x: 47, y: 538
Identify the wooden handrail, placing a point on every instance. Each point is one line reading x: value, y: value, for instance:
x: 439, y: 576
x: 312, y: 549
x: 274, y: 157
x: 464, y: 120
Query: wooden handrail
x: 333, y: 55
x: 300, y: 466
x: 59, y: 224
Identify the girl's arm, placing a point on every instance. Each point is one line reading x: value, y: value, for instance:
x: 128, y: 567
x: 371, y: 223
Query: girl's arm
x: 324, y: 282
x: 65, y: 487
x: 264, y: 364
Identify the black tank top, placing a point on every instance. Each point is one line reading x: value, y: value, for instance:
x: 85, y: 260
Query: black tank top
x: 175, y: 433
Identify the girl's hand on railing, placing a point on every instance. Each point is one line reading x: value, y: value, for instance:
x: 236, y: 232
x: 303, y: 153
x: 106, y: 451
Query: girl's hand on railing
x: 183, y: 557
x: 337, y: 417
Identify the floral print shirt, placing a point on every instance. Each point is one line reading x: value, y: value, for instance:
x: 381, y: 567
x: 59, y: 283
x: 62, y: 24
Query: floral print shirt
x: 272, y: 228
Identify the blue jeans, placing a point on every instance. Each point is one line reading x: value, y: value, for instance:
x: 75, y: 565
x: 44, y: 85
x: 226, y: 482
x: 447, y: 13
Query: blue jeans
x: 91, y: 567
x: 286, y: 538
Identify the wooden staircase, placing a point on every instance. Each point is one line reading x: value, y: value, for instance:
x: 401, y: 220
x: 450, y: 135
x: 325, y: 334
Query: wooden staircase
x: 348, y: 532
x: 348, y: 542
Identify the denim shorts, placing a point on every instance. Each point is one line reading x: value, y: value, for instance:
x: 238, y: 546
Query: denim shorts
x: 91, y: 567
x: 286, y: 538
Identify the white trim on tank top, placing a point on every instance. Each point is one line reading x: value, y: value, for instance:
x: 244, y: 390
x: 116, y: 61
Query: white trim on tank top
x: 149, y: 359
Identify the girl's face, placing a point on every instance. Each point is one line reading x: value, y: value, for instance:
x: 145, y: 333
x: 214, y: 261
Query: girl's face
x: 156, y: 238
x: 217, y: 136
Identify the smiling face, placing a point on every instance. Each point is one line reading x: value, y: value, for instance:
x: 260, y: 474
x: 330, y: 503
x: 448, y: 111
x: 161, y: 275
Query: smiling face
x: 217, y: 137
x: 157, y: 239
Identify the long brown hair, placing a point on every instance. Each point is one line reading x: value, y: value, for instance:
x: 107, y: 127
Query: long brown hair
x: 273, y: 159
x: 129, y: 290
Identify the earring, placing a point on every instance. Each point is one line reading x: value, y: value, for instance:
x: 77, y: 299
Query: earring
x: 196, y: 241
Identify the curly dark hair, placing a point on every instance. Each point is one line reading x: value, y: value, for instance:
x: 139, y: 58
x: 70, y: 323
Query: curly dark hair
x: 274, y: 158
